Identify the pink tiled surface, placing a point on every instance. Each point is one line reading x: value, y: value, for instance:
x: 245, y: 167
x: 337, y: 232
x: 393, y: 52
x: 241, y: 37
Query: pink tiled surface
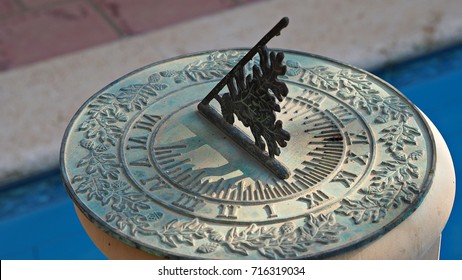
x: 38, y: 3
x: 141, y: 15
x: 34, y: 30
x: 8, y: 7
x: 39, y: 34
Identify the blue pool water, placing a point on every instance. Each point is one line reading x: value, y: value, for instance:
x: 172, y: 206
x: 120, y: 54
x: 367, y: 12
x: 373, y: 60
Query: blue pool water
x: 433, y: 83
x: 37, y: 218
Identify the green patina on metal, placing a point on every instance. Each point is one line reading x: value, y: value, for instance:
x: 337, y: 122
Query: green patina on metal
x: 144, y: 165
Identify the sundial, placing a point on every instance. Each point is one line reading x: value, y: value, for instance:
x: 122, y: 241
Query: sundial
x: 248, y: 154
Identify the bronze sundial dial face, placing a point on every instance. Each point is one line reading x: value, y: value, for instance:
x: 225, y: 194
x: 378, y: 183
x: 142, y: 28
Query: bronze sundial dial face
x: 141, y: 162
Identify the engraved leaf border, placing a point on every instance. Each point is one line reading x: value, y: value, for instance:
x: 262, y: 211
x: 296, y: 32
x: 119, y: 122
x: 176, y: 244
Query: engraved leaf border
x: 285, y: 241
x: 393, y: 180
x: 129, y: 209
x: 99, y: 178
